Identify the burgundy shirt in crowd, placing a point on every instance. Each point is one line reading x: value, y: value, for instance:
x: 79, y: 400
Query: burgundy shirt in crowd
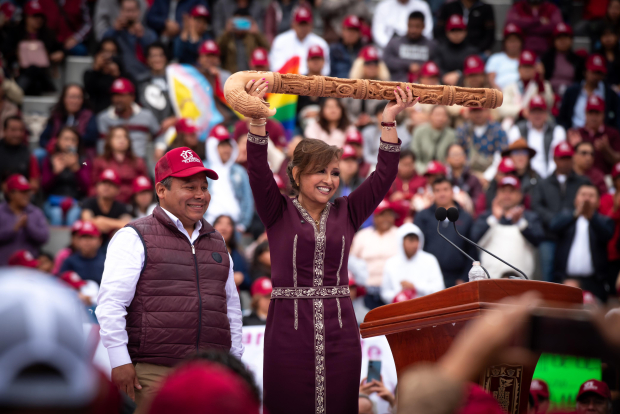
x: 614, y: 141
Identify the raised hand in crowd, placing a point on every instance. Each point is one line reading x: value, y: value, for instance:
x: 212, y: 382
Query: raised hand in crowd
x: 172, y: 28
x: 515, y: 213
x: 573, y: 137
x: 377, y: 386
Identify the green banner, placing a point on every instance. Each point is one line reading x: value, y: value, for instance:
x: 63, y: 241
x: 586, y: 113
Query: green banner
x: 564, y: 375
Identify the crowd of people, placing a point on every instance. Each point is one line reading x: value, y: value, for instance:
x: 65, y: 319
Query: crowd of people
x: 537, y: 180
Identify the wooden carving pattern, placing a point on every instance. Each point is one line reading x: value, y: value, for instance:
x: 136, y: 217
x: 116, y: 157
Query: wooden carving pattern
x: 326, y: 86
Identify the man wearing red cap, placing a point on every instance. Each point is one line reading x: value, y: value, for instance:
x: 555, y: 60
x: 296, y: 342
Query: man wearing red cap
x: 194, y: 32
x: 605, y: 138
x: 296, y: 42
x: 536, y: 18
x: 259, y: 59
x: 406, y: 54
x: 88, y: 259
x: 429, y: 74
x: 540, y: 390
x: 210, y: 65
x: 173, y: 255
x: 141, y: 123
x: 563, y: 66
x: 508, y: 230
x: 261, y: 297
x: 23, y: 258
x: 502, y: 68
x: 452, y: 51
x: 22, y: 225
x: 479, y: 18
x: 540, y: 133
x: 391, y: 18
x: 239, y: 40
x: 594, y: 397
x: 555, y: 193
x: 583, y: 162
x: 350, y: 177
x: 343, y: 52
x: 316, y: 60
x: 575, y: 99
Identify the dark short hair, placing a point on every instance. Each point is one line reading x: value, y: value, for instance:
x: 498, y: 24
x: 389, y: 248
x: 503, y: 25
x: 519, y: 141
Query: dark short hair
x: 155, y: 45
x: 416, y: 15
x: 12, y: 118
x: 411, y: 236
x: 440, y: 180
x: 310, y: 156
x: 598, y: 193
x: 166, y: 182
x: 583, y: 143
x: 406, y: 153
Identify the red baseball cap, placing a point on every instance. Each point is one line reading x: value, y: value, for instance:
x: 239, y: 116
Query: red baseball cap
x: 539, y: 388
x: 181, y: 162
x: 383, y: 205
x: 506, y: 166
x: 537, y: 102
x: 8, y: 9
x: 353, y: 136
x: 220, y: 133
x: 563, y: 150
x: 596, y: 63
x: 261, y: 286
x: 348, y: 152
x: 352, y: 281
x: 562, y: 29
x: 352, y: 22
x: 512, y: 29
x: 595, y: 103
x: 435, y: 168
x: 594, y: 386
x: 615, y: 172
x: 122, y: 86
x: 209, y: 47
x: 89, y: 229
x: 186, y: 126
x: 33, y: 8
x: 302, y: 15
x: 200, y: 11
x: 369, y: 54
x: 429, y: 69
x: 17, y: 182
x: 473, y: 65
x: 77, y: 225
x: 23, y: 258
x: 404, y: 295
x: 279, y: 182
x: 259, y: 57
x: 72, y: 279
x: 316, y: 51
x: 512, y: 181
x: 110, y: 176
x: 142, y: 183
x: 527, y: 58
x: 455, y: 22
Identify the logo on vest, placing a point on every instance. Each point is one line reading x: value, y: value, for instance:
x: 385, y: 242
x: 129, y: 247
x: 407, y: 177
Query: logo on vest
x: 217, y: 257
x: 189, y: 156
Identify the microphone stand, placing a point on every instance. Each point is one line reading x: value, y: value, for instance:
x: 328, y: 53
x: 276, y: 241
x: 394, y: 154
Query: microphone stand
x: 456, y: 247
x: 484, y: 250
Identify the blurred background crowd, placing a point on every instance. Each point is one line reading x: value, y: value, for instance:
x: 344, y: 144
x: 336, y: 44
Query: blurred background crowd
x: 86, y: 111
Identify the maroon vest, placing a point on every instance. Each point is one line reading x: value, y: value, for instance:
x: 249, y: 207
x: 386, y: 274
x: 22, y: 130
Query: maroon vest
x: 180, y: 301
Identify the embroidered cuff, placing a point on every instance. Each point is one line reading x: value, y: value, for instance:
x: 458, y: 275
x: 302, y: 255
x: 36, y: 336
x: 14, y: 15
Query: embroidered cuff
x: 389, y: 147
x: 258, y: 139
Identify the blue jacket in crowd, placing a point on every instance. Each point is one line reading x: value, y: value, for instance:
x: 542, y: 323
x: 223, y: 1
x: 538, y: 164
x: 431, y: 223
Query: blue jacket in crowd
x: 159, y: 11
x: 88, y: 269
x: 186, y: 51
x: 341, y: 59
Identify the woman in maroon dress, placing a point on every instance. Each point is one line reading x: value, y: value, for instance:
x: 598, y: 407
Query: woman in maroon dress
x: 313, y: 357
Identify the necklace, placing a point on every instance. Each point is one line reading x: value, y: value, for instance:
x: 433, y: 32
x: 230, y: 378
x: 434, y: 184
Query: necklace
x: 316, y: 221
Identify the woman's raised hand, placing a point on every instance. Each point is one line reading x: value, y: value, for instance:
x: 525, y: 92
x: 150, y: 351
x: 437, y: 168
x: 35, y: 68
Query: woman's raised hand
x: 257, y: 87
x: 403, y: 100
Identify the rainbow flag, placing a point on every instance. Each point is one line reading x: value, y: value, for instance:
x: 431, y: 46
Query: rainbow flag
x: 286, y: 105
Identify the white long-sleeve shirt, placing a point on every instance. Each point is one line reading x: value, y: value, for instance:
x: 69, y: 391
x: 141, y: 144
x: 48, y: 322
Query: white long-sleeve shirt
x: 123, y: 264
x: 287, y: 44
x: 392, y: 17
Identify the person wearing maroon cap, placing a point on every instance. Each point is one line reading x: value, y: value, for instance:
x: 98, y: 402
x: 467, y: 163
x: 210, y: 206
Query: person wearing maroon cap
x: 609, y: 46
x: 143, y: 197
x: 405, y: 55
x: 241, y: 29
x: 540, y: 390
x: 261, y: 298
x: 537, y: 19
x: 509, y: 230
x: 606, y: 139
x: 429, y: 74
x: 517, y: 95
x: 582, y: 234
x: 201, y: 300
x: 506, y: 167
x: 315, y: 60
x: 563, y: 66
x: 259, y: 60
x: 22, y: 225
x: 194, y: 32
x: 107, y: 214
x: 296, y: 42
x: 153, y: 90
x: 343, y: 52
x: 594, y: 398
x: 480, y: 22
x: 575, y: 99
x: 502, y: 67
x: 187, y: 136
x: 23, y: 258
x: 454, y: 267
x: 555, y: 193
x: 452, y: 51
x: 583, y: 162
x: 473, y: 73
x: 89, y: 258
x: 15, y: 155
x: 350, y: 177
x: 390, y: 19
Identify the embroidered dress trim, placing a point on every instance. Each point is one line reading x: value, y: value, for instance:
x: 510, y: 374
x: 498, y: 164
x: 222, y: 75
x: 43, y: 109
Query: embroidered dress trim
x: 317, y: 304
x: 382, y: 146
x: 338, y: 282
x: 295, y: 279
x: 324, y: 292
x: 257, y: 139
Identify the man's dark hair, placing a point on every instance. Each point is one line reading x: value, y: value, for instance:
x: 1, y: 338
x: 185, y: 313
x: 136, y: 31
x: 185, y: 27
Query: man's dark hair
x: 407, y: 153
x: 166, y: 182
x: 156, y: 45
x: 598, y: 193
x: 412, y: 236
x: 440, y: 180
x: 242, y: 12
x: 583, y: 143
x: 226, y: 360
x: 12, y: 118
x: 416, y: 15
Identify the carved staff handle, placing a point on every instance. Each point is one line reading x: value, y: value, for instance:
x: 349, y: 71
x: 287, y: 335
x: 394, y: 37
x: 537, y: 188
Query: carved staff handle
x: 325, y: 86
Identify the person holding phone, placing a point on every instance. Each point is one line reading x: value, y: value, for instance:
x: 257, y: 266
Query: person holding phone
x: 240, y: 39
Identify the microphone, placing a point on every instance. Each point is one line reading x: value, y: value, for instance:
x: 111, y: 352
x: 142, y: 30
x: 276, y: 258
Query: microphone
x: 453, y: 216
x: 440, y: 215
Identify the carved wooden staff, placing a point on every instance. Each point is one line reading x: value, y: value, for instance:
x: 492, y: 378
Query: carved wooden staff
x: 325, y: 86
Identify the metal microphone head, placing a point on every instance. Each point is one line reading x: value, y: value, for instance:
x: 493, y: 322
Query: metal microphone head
x: 440, y: 214
x: 453, y: 214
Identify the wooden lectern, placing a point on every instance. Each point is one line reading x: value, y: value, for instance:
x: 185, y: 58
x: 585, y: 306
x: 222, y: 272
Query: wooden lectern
x: 423, y: 329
